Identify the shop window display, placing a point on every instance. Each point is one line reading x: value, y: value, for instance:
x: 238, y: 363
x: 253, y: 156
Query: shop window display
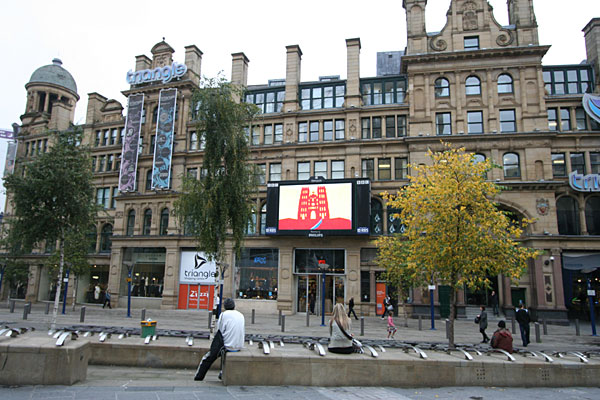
x: 256, y: 274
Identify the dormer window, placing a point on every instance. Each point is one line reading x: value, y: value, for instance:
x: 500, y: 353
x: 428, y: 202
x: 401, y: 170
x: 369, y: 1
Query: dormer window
x: 471, y: 42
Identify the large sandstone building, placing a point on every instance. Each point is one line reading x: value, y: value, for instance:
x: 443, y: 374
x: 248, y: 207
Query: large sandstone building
x: 474, y: 84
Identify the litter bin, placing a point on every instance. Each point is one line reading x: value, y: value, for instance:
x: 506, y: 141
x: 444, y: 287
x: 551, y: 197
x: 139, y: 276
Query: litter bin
x: 148, y: 328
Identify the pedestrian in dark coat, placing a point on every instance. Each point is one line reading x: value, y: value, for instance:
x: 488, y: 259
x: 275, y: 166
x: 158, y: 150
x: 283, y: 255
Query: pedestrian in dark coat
x: 502, y: 339
x: 481, y: 319
x: 351, y: 308
x: 494, y: 302
x: 522, y: 317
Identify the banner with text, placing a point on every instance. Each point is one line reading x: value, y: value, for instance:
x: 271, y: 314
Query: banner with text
x: 196, y: 269
x: 129, y: 153
x: 163, y: 148
x: 11, y: 155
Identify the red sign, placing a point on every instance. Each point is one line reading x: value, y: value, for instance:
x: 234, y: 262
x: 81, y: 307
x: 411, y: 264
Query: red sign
x: 380, y: 289
x: 195, y: 297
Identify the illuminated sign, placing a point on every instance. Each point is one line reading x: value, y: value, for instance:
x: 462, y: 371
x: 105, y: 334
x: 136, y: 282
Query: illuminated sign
x: 164, y: 74
x: 584, y: 183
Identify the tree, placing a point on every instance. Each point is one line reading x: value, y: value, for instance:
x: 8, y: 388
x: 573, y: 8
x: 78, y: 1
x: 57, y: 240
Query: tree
x: 454, y: 231
x: 53, y: 197
x: 218, y: 206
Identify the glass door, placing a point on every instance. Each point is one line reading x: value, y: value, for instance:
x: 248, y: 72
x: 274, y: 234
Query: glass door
x: 309, y: 294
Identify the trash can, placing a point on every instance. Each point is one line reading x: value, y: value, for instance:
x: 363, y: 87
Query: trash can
x: 148, y: 328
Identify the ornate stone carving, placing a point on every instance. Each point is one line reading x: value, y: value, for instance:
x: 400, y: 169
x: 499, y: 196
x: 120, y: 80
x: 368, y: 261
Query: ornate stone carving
x: 352, y: 125
x: 542, y: 206
x: 470, y: 21
x: 119, y: 214
x: 437, y: 44
x: 469, y: 6
x: 289, y: 129
x: 505, y: 38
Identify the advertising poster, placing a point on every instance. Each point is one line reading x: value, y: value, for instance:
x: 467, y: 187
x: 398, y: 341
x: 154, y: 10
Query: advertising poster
x: 195, y: 269
x: 163, y: 148
x: 129, y: 153
x: 380, y: 290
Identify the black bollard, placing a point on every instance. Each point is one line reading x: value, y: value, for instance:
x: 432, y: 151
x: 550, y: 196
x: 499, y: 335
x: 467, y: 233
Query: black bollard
x: 538, y: 339
x: 253, y: 312
x: 82, y: 314
x: 283, y: 323
x: 362, y: 326
x: 545, y: 325
x: 420, y: 322
x: 143, y: 314
x: 447, y: 328
x: 209, y: 319
x: 512, y: 323
x: 47, y: 309
x: 12, y: 306
x: 25, y: 310
x: 307, y: 318
x: 279, y: 323
x: 577, y: 331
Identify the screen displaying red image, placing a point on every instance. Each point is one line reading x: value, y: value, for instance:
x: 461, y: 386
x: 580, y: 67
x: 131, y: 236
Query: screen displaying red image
x: 320, y: 206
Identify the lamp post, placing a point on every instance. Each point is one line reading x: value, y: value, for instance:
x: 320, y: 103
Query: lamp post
x: 66, y: 281
x: 432, y: 308
x: 591, y: 294
x: 129, y: 266
x: 323, y: 266
x: 2, y: 269
x: 223, y: 268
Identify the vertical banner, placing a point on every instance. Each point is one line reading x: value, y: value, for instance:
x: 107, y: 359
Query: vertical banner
x: 129, y: 153
x: 380, y: 296
x: 11, y: 155
x: 163, y: 148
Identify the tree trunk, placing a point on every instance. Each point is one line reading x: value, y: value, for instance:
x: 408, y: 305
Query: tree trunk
x: 453, y: 298
x: 75, y: 281
x: 59, y: 284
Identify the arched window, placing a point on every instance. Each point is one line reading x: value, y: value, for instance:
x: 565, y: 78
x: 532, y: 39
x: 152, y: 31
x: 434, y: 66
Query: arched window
x: 106, y: 238
x: 263, y: 219
x: 512, y: 169
x: 147, y: 221
x: 472, y: 86
x: 442, y: 87
x: 505, y: 83
x: 567, y: 213
x: 164, y: 222
x: 376, y: 217
x: 592, y: 215
x: 477, y: 158
x: 394, y: 224
x: 251, y: 229
x: 91, y: 237
x: 130, y: 222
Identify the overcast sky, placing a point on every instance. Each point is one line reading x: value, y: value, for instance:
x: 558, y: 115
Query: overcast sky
x: 98, y: 41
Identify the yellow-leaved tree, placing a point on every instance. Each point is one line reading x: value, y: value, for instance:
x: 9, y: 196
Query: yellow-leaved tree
x: 454, y: 231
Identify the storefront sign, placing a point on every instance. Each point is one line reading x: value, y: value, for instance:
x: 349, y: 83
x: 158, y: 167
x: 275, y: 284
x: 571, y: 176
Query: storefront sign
x: 584, y: 183
x: 161, y: 168
x: 196, y: 269
x: 192, y: 297
x: 164, y: 74
x: 129, y: 153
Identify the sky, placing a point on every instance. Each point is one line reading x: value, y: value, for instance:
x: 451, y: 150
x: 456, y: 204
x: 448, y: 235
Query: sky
x: 98, y: 41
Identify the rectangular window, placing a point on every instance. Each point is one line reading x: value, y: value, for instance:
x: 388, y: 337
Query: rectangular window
x: 321, y: 169
x: 578, y: 163
x: 110, y: 161
x: 383, y: 91
x: 262, y: 174
x: 366, y: 128
x: 471, y: 42
x: 368, y: 169
x: 443, y: 123
x: 401, y: 125
x: 340, y: 130
x: 384, y: 169
x: 106, y: 139
x: 101, y: 164
x: 27, y: 149
x: 113, y: 136
x: 565, y: 119
x: 46, y: 145
x: 337, y: 170
x: 278, y: 133
x: 257, y: 269
x: 255, y: 135
x: 192, y: 173
x: 580, y: 119
x: 559, y: 169
x: 103, y: 197
x: 508, y: 121
x: 303, y: 171
x: 113, y: 198
x: 552, y: 119
x: 559, y: 82
x: 268, y: 131
x: 390, y: 126
x: 401, y: 167
x: 314, y: 131
x: 275, y: 172
x: 595, y: 163
x: 328, y: 130
x: 475, y: 122
x: 93, y: 164
x: 302, y: 132
x: 376, y: 128
x: 121, y: 135
x: 152, y: 144
x: 98, y: 137
x: 318, y: 97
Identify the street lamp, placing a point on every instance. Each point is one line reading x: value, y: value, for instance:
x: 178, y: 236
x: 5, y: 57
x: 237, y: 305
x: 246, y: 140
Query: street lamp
x: 66, y: 281
x: 431, y: 306
x: 323, y: 267
x: 591, y: 294
x: 129, y: 266
x: 222, y: 267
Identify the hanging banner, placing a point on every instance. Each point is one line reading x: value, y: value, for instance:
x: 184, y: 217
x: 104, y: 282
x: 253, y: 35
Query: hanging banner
x: 129, y: 153
x: 163, y: 148
x: 6, y: 134
x: 11, y: 155
x: 591, y: 104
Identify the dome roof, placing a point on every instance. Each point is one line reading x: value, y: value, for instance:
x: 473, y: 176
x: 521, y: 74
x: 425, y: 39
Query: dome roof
x: 54, y: 74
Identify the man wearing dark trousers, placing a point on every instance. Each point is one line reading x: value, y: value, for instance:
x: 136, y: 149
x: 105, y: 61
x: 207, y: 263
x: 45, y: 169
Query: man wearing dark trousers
x: 522, y: 317
x: 229, y: 337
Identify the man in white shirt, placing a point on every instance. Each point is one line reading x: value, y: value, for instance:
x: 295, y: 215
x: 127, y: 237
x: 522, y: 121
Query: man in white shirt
x: 230, y: 337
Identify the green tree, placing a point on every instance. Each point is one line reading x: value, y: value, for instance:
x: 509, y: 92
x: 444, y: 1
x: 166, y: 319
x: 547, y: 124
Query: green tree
x: 53, y: 197
x: 218, y: 206
x: 454, y: 230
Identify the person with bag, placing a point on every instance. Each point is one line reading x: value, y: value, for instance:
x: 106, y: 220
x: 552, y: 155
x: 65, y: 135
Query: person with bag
x: 340, y: 341
x: 481, y: 319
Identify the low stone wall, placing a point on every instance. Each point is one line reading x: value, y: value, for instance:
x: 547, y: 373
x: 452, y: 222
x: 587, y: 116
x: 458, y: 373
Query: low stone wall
x: 294, y: 365
x: 37, y: 361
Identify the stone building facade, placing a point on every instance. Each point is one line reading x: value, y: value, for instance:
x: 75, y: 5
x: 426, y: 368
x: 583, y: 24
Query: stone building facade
x: 474, y: 84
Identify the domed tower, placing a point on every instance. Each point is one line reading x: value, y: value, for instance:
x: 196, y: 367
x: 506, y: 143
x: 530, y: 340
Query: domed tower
x: 51, y: 98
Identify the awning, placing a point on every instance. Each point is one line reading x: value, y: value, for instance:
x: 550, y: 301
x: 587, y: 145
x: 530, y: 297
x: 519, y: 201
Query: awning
x: 584, y: 262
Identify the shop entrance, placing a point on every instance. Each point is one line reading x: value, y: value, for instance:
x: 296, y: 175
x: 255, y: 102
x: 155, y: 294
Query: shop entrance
x: 310, y: 296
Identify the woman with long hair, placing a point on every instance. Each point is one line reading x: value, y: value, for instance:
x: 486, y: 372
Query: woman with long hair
x: 340, y: 340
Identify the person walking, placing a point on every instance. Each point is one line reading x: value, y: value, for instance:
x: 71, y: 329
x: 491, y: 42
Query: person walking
x: 107, y: 299
x: 502, y: 339
x: 481, y: 319
x: 340, y: 340
x: 230, y: 336
x: 494, y: 302
x: 391, y: 327
x: 387, y: 306
x: 522, y: 317
x: 351, y: 308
